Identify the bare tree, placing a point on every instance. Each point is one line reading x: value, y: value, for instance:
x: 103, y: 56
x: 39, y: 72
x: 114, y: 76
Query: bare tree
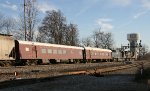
x: 1, y: 21
x: 31, y: 18
x: 19, y: 33
x: 53, y: 27
x: 87, y: 41
x: 71, y: 35
x: 96, y: 37
x: 102, y: 39
x: 9, y: 25
x: 108, y: 41
x: 28, y: 21
x: 144, y: 50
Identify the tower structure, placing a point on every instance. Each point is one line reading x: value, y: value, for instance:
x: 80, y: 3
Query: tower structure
x: 133, y: 44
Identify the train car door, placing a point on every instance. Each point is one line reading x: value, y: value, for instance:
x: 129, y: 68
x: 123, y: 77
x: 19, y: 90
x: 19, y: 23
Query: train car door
x: 34, y: 52
x: 84, y: 54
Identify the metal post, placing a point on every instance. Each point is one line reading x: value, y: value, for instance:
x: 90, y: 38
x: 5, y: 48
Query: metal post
x: 25, y: 19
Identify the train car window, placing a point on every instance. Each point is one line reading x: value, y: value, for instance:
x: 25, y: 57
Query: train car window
x: 102, y: 54
x: 71, y: 52
x: 50, y: 51
x: 64, y: 51
x: 54, y: 51
x: 97, y: 53
x: 27, y: 49
x: 59, y: 51
x: 43, y: 50
x: 68, y: 51
x: 106, y: 54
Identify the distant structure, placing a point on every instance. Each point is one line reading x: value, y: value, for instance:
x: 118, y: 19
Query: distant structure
x: 130, y: 51
x: 133, y: 38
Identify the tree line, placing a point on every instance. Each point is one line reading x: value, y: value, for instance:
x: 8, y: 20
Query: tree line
x: 52, y: 29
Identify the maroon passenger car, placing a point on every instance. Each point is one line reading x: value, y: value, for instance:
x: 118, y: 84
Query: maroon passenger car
x: 47, y: 52
x: 98, y: 54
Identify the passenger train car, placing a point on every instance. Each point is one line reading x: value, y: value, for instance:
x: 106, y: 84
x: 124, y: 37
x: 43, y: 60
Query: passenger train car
x: 26, y: 52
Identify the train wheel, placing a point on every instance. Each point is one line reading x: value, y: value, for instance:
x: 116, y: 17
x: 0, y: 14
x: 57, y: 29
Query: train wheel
x: 53, y: 61
x: 31, y: 62
x: 2, y: 64
x: 6, y: 63
x: 39, y: 62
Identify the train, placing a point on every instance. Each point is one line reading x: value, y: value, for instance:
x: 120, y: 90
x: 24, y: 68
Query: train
x: 18, y: 52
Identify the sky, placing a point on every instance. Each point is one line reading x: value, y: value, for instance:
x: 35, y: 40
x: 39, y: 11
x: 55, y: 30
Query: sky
x: 119, y: 17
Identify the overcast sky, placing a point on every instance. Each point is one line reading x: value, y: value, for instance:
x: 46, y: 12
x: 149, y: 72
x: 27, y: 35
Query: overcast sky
x: 117, y: 16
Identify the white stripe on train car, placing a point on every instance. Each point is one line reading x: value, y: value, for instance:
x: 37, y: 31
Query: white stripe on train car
x: 48, y: 44
x: 97, y: 49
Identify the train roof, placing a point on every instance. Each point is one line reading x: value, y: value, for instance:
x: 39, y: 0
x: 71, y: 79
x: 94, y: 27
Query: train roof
x: 64, y: 46
x: 4, y: 34
x: 48, y: 44
x: 98, y: 49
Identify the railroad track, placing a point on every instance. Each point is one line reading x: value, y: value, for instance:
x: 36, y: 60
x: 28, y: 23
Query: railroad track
x: 57, y: 70
x: 57, y: 67
x: 42, y: 71
x: 105, y: 70
x: 97, y: 70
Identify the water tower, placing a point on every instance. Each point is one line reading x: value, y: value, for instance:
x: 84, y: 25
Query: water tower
x: 133, y: 38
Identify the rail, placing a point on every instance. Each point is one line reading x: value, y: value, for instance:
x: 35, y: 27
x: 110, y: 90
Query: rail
x: 19, y: 82
x: 104, y: 70
x: 39, y: 73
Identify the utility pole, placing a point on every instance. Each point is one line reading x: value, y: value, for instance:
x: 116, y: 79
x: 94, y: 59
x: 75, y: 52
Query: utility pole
x: 25, y: 19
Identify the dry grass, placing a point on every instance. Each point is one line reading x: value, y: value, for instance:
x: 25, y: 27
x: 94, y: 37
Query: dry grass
x: 144, y: 75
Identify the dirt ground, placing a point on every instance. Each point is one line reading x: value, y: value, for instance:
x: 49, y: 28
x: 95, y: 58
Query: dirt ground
x: 120, y: 81
x: 85, y: 83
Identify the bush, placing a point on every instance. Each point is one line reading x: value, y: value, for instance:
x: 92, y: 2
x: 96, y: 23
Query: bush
x: 142, y: 75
